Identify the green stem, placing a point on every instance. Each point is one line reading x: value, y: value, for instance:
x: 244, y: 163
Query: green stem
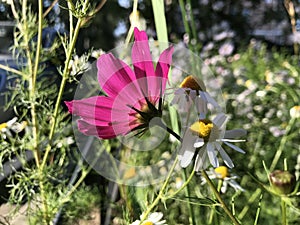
x: 283, y: 212
x: 65, y: 76
x: 184, y: 18
x: 282, y: 144
x: 161, y: 192
x: 212, y: 213
x: 219, y: 198
x: 193, y: 26
x: 12, y: 70
x: 182, y: 187
x: 188, y: 194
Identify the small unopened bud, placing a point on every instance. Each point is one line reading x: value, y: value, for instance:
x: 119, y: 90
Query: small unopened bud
x: 283, y: 182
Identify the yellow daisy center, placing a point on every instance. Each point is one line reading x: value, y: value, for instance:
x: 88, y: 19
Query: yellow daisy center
x: 193, y: 83
x: 202, y: 128
x: 223, y: 171
x: 3, y: 125
x: 147, y: 223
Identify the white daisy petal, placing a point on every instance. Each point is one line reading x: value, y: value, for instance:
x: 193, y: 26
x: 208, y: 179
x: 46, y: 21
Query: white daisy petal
x: 188, y: 142
x: 220, y: 119
x: 234, y: 147
x: 155, y: 217
x: 201, y: 160
x: 224, y: 186
x: 199, y: 143
x: 212, y: 154
x: 211, y: 100
x: 187, y: 157
x: 235, y: 185
x: 235, y: 133
x: 231, y: 140
x: 225, y: 157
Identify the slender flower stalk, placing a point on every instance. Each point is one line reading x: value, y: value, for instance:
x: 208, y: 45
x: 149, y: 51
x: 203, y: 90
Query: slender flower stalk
x: 218, y: 196
x: 65, y: 75
x: 283, y: 212
x: 161, y: 192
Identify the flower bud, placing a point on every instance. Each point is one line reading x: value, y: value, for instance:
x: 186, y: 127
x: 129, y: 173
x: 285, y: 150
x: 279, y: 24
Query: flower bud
x: 283, y: 182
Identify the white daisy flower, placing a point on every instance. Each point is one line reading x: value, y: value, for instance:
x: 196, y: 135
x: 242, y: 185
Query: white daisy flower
x: 206, y: 137
x: 193, y: 91
x: 153, y: 219
x: 10, y: 126
x: 222, y: 173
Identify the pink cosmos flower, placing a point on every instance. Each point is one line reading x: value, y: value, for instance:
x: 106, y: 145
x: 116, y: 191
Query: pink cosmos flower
x: 132, y: 95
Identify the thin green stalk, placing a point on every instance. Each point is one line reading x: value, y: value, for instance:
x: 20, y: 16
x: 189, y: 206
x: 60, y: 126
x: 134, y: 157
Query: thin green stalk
x: 134, y: 13
x: 161, y: 192
x: 282, y: 144
x: 12, y: 70
x: 283, y: 212
x: 219, y: 198
x: 182, y: 187
x: 39, y: 41
x: 188, y: 194
x: 250, y: 201
x: 258, y: 210
x: 63, y: 83
x: 71, y: 28
x: 212, y: 213
x: 23, y: 26
x: 184, y: 17
x: 193, y: 25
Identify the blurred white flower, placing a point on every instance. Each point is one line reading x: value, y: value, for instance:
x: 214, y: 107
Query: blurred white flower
x: 136, y: 20
x: 222, y: 173
x: 97, y: 53
x: 10, y: 126
x: 223, y: 35
x: 153, y: 219
x: 295, y: 111
x: 226, y: 49
x: 276, y: 131
x: 206, y: 137
x: 79, y: 65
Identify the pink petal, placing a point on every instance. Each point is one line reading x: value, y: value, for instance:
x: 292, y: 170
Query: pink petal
x: 163, y: 65
x: 97, y: 110
x: 114, y: 75
x: 141, y: 58
x: 104, y: 132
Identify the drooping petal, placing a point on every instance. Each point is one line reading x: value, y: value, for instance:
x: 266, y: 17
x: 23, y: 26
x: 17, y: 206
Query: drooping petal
x: 114, y: 75
x: 201, y: 106
x: 224, y: 156
x: 199, y: 143
x: 201, y: 160
x: 211, y: 152
x: 187, y: 151
x: 210, y: 99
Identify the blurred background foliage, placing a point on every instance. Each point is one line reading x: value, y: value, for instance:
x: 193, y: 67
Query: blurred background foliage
x: 249, y: 46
